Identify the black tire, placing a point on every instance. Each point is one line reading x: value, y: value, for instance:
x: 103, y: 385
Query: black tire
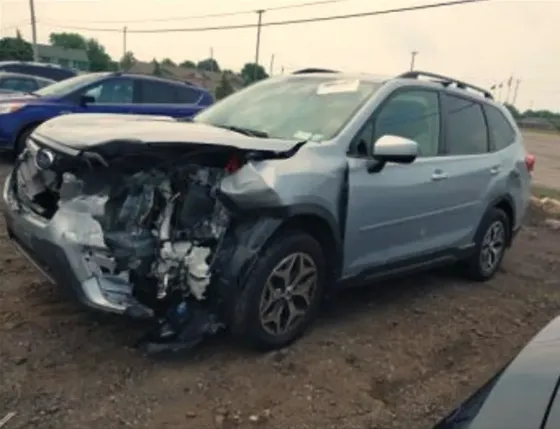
x: 474, y: 267
x: 247, y: 323
x: 22, y: 139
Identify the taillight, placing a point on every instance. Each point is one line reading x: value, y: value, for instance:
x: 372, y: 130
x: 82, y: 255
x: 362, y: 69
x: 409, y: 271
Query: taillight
x: 530, y: 162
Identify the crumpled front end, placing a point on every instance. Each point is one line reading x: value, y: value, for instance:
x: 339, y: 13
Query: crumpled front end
x: 134, y: 237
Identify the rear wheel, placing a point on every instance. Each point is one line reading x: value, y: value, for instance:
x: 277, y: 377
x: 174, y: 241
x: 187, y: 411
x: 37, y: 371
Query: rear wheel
x: 490, y: 246
x: 283, y: 292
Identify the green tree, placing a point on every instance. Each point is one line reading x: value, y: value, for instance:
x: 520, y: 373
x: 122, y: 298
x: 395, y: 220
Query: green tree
x: 188, y: 64
x: 168, y: 62
x: 513, y: 110
x: 68, y: 40
x: 127, y: 61
x: 157, y: 70
x: 99, y: 59
x: 15, y: 48
x: 224, y: 88
x: 252, y: 72
x: 209, y: 64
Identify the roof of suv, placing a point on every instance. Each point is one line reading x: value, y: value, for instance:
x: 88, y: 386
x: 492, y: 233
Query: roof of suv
x: 427, y: 78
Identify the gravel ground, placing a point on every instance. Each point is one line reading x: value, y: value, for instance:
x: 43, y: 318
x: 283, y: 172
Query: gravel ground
x: 399, y: 355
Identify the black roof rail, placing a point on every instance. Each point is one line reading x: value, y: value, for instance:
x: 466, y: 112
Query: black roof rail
x: 314, y: 70
x: 445, y: 81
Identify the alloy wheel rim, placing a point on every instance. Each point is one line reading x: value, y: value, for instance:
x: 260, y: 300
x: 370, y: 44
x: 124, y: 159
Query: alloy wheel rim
x: 492, y: 248
x: 288, y: 294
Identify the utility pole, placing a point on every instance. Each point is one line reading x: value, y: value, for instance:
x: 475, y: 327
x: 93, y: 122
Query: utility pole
x: 259, y: 23
x: 124, y: 41
x: 517, y: 82
x: 413, y: 57
x: 271, y: 65
x: 509, y: 82
x: 33, y: 30
x: 282, y: 70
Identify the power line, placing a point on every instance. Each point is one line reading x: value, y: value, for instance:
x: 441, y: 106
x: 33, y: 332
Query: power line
x: 276, y: 23
x: 217, y: 15
x: 14, y: 26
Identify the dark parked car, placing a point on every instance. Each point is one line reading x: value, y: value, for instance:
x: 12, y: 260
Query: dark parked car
x: 44, y: 70
x: 17, y: 82
x: 522, y: 395
x: 97, y: 93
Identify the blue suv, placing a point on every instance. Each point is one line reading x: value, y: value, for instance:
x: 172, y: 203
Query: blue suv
x: 21, y: 113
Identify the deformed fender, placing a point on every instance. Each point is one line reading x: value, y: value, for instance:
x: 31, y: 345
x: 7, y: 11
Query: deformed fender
x: 244, y: 242
x: 239, y: 249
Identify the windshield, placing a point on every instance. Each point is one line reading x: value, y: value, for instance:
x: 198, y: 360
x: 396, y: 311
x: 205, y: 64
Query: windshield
x: 67, y: 86
x: 298, y: 108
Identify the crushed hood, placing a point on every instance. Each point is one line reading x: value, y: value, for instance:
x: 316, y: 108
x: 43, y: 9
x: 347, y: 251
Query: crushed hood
x: 81, y: 132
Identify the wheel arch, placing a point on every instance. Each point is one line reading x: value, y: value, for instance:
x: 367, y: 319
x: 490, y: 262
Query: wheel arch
x: 25, y: 128
x: 323, y: 227
x: 246, y: 240
x: 507, y: 205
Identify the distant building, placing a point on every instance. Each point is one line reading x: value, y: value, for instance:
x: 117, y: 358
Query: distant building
x: 75, y: 59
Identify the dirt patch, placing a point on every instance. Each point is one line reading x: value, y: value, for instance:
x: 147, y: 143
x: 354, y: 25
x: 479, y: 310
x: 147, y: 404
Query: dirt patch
x: 398, y: 355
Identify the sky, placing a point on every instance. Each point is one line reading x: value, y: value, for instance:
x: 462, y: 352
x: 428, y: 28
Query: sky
x: 483, y: 43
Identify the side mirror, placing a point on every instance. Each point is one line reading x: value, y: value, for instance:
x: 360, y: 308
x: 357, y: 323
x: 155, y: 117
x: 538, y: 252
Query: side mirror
x: 86, y: 99
x: 390, y: 148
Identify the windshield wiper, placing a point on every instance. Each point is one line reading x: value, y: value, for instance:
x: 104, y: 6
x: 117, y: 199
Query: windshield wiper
x: 245, y: 131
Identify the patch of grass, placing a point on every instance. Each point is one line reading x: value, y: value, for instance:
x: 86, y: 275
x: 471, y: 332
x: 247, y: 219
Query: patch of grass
x: 546, y: 132
x: 543, y: 191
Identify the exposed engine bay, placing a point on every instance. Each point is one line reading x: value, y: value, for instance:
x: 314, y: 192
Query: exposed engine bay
x: 147, y: 231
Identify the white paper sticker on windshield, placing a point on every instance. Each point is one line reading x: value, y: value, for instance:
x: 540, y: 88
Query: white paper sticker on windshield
x: 302, y: 135
x: 337, y: 86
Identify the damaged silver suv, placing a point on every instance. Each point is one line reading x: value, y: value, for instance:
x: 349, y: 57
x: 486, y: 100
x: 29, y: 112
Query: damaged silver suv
x: 245, y: 216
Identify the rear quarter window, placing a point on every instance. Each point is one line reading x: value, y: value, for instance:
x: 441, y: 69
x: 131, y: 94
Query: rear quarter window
x: 187, y: 95
x: 501, y: 131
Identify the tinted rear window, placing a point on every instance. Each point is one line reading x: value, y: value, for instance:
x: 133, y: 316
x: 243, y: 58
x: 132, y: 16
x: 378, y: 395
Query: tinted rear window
x: 156, y: 92
x: 187, y: 95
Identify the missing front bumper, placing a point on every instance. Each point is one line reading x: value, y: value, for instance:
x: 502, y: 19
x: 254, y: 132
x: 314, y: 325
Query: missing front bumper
x: 54, y: 250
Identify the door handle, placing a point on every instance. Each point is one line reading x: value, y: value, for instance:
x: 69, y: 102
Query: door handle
x: 495, y: 170
x: 439, y: 175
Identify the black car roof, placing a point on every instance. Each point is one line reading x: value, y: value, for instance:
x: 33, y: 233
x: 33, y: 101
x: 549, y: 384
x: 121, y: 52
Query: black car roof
x: 23, y: 75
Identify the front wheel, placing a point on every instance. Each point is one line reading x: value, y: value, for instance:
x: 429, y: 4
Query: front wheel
x: 490, y: 246
x: 283, y: 292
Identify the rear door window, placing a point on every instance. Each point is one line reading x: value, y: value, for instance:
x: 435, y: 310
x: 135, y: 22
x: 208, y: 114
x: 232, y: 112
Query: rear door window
x: 501, y: 131
x: 466, y: 131
x: 156, y: 92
